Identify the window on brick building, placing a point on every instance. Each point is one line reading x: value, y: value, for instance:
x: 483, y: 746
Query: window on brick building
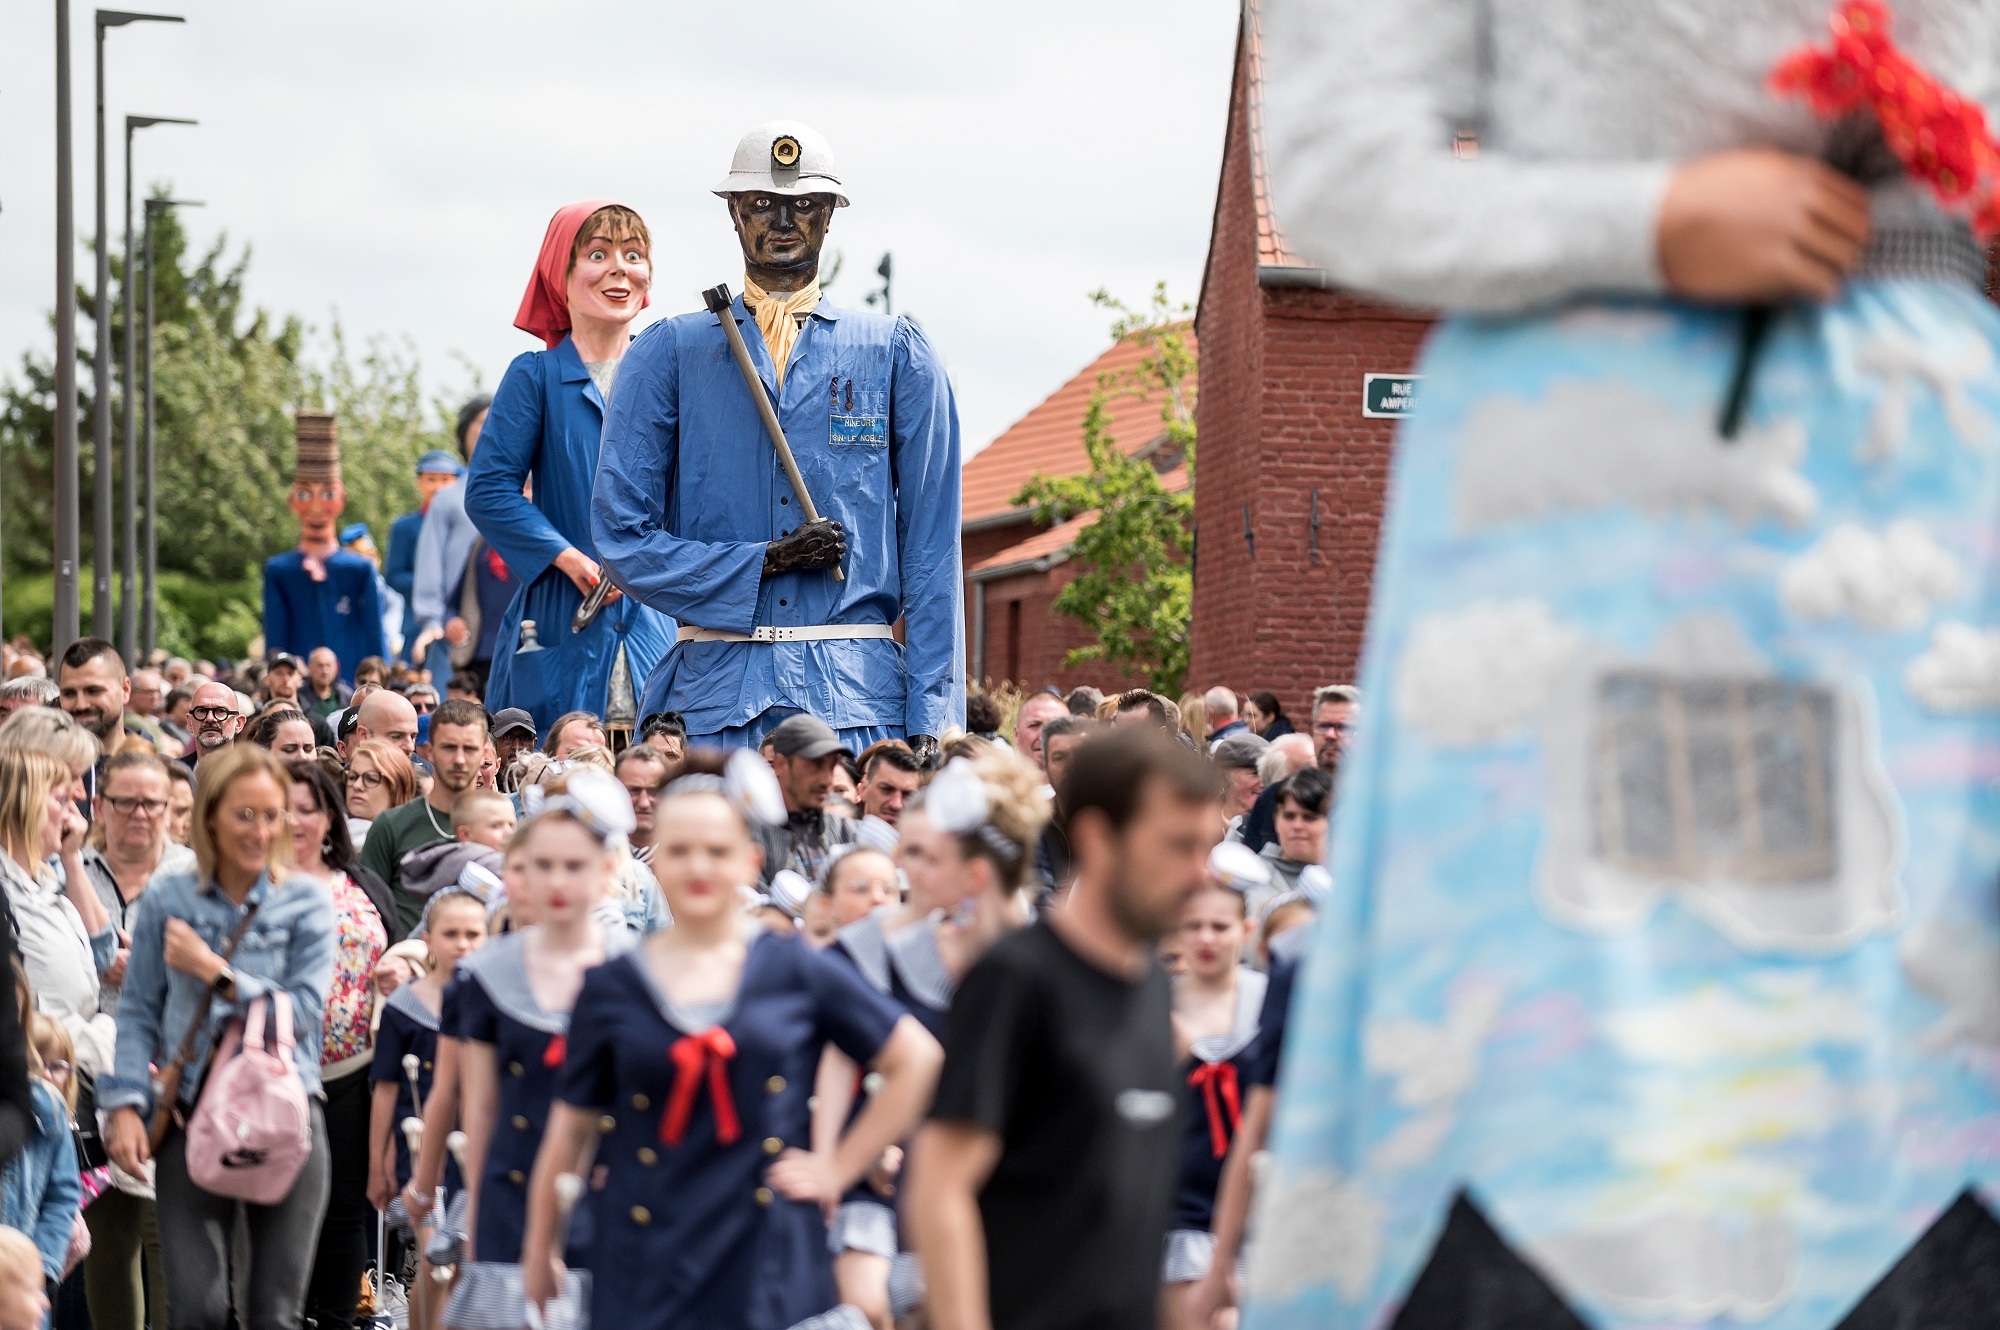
x: 1700, y: 777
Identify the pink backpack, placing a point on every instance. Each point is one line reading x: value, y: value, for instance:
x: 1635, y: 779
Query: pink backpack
x: 252, y: 1131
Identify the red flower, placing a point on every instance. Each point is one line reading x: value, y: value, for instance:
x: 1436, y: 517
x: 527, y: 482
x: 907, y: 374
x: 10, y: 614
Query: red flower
x: 1939, y: 136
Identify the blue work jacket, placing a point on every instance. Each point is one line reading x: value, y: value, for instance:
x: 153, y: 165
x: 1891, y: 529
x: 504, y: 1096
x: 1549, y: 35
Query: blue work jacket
x: 690, y: 491
x: 40, y: 1190
x: 546, y: 422
x: 343, y: 613
x: 399, y: 567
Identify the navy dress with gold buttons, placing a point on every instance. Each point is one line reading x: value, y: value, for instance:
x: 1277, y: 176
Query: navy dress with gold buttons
x: 694, y: 1105
x: 497, y: 1007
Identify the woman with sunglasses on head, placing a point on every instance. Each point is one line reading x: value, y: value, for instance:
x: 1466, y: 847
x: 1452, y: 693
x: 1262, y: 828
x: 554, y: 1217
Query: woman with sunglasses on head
x: 965, y: 844
x: 176, y: 977
x: 514, y: 1019
x: 366, y: 925
x: 690, y: 1064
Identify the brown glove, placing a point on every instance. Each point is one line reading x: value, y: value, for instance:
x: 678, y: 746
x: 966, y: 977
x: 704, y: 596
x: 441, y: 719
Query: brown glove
x: 811, y: 545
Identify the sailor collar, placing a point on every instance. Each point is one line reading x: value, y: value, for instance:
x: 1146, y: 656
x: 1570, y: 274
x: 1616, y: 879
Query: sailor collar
x: 501, y: 971
x: 1250, y: 987
x: 405, y: 1000
x: 911, y: 951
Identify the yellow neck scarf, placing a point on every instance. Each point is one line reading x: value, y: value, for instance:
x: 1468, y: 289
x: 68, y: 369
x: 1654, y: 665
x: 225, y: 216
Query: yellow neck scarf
x: 778, y: 318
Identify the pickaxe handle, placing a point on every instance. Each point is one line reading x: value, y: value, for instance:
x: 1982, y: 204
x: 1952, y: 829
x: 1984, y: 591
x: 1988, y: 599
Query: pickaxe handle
x: 719, y: 301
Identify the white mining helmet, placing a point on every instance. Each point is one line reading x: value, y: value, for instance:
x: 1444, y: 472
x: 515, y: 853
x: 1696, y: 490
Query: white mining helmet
x: 783, y: 157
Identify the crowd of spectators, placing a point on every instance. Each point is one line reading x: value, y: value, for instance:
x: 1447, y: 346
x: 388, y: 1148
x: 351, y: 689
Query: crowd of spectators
x: 369, y: 800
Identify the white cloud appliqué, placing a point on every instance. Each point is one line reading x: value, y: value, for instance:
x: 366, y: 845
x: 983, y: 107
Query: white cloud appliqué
x: 1590, y: 445
x: 1888, y: 581
x: 1960, y: 671
x: 1314, y: 1227
x: 1483, y: 674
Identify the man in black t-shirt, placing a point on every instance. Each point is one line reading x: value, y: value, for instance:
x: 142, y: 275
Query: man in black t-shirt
x: 1040, y: 1188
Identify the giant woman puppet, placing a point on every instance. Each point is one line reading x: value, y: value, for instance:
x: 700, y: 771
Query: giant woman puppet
x: 1661, y: 980
x: 547, y: 415
x: 694, y: 515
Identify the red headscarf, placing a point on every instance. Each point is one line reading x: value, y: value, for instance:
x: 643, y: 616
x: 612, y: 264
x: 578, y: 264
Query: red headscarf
x: 545, y: 307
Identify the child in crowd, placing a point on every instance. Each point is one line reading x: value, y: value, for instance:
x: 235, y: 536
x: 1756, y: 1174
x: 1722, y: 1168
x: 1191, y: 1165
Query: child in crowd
x: 40, y: 1192
x: 24, y: 1296
x: 453, y: 926
x: 514, y: 1020
x: 1216, y: 1005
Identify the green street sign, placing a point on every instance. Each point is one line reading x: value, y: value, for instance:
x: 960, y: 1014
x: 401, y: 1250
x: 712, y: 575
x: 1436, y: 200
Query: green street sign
x: 1388, y: 394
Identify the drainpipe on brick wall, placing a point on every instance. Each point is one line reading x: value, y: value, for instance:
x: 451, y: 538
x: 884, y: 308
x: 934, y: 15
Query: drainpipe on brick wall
x: 979, y: 633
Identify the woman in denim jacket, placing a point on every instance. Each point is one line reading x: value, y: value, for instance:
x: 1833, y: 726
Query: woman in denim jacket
x: 243, y: 849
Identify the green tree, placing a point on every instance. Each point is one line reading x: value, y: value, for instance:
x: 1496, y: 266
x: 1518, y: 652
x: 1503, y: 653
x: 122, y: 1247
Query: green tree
x: 227, y: 378
x: 1135, y: 587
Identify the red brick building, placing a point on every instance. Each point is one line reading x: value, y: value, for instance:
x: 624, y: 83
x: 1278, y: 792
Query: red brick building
x: 1015, y: 566
x: 1291, y: 474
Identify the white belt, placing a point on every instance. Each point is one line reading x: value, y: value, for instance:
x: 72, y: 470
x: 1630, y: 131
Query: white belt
x: 765, y: 632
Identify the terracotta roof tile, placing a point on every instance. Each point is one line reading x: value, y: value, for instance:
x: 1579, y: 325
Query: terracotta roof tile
x: 1272, y: 248
x: 1057, y: 539
x: 1049, y: 439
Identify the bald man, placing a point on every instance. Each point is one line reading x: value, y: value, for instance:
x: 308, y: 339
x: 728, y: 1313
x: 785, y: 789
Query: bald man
x: 215, y: 718
x: 387, y: 715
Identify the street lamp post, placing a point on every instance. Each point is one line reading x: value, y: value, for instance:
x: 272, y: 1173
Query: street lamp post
x: 101, y: 539
x: 128, y: 507
x: 149, y: 630
x: 67, y: 625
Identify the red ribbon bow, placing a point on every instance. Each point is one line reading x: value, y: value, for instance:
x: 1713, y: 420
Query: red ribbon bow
x: 1217, y: 1083
x: 1939, y: 136
x: 552, y: 1056
x: 711, y: 1049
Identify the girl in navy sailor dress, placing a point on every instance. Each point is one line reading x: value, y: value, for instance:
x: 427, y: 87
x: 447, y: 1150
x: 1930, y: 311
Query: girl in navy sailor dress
x: 454, y: 925
x: 514, y: 1019
x: 446, y: 1244
x: 689, y: 1068
x: 965, y: 894
x: 1217, y: 1002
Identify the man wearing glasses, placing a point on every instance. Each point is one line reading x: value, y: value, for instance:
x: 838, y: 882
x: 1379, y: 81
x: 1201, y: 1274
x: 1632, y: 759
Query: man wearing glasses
x: 216, y: 721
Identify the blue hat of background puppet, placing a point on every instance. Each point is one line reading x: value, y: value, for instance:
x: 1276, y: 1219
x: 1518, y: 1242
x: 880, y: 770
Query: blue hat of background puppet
x: 438, y: 462
x: 352, y: 532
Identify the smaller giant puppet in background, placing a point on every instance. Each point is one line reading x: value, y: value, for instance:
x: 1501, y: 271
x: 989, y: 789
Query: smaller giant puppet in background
x: 320, y: 595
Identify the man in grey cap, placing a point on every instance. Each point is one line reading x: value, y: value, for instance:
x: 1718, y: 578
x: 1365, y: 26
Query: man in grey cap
x: 1236, y: 758
x: 803, y: 751
x: 513, y: 731
x: 693, y: 514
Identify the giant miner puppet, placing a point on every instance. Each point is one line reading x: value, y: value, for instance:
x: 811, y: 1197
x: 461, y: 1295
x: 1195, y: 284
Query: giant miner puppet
x: 700, y: 512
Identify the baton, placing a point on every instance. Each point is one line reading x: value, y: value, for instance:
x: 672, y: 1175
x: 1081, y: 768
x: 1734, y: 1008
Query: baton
x: 718, y: 301
x: 592, y: 603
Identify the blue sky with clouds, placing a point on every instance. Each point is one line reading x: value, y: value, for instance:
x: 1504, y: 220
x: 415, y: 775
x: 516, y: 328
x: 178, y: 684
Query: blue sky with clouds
x: 395, y: 164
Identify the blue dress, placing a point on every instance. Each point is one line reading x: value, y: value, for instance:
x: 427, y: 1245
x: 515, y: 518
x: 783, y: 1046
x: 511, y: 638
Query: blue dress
x: 690, y: 491
x: 905, y: 967
x: 1220, y: 1071
x: 545, y: 423
x: 408, y: 1027
x: 497, y: 1007
x: 690, y: 1235
x: 343, y: 613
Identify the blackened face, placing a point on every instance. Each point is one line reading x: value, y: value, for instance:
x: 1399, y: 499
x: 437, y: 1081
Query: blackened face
x: 781, y: 232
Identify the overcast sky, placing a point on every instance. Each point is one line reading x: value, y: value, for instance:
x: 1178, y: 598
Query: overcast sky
x: 396, y: 163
